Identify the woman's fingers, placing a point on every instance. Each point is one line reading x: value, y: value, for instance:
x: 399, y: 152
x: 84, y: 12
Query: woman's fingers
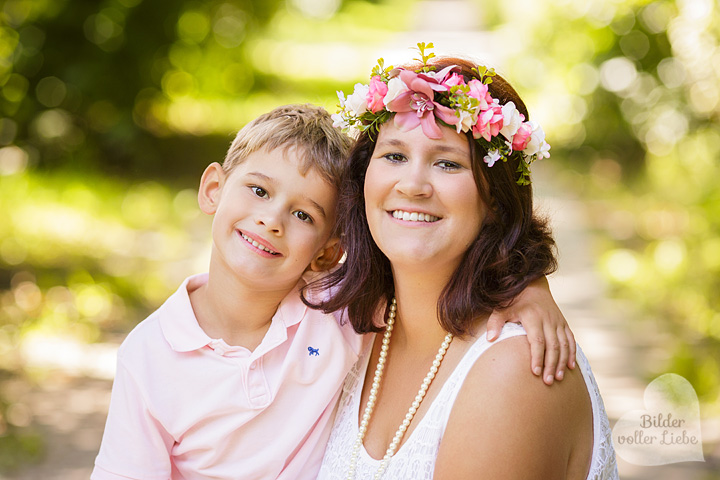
x: 552, y: 355
x: 572, y: 345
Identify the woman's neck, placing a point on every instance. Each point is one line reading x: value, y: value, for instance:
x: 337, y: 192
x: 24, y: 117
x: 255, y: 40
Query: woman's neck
x: 417, y: 296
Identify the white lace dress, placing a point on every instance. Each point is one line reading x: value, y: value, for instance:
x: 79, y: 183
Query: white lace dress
x: 415, y: 460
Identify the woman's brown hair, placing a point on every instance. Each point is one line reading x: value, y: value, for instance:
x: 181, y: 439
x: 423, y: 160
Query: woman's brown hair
x: 513, y: 248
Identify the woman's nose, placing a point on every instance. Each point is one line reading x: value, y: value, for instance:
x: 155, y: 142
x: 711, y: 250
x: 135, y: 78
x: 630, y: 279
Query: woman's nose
x: 415, y: 181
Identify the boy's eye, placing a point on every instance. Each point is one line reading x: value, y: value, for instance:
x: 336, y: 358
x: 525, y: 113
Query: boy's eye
x: 395, y: 157
x: 259, y: 191
x: 303, y: 216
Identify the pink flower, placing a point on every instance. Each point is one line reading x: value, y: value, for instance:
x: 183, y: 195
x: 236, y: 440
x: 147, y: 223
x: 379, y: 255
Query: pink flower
x: 438, y: 80
x: 453, y: 80
x: 376, y: 94
x: 480, y: 91
x: 489, y: 123
x: 522, y: 137
x: 415, y: 106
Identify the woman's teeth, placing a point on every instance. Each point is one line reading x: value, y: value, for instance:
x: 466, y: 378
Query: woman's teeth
x: 414, y: 216
x: 256, y: 244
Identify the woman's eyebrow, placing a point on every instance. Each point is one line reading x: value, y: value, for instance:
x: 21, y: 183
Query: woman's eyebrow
x: 393, y: 142
x: 443, y: 148
x: 451, y: 148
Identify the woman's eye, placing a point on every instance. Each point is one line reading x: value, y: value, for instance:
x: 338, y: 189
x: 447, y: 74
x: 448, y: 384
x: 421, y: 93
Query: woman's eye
x: 394, y: 157
x: 303, y: 216
x: 259, y: 191
x: 447, y: 165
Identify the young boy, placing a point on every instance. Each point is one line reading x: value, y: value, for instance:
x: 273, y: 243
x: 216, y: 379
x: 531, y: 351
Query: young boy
x: 233, y: 376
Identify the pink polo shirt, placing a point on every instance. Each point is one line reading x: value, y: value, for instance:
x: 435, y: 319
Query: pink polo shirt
x: 185, y: 406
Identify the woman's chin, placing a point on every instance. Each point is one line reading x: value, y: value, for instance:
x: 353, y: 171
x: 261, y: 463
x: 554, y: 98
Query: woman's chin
x: 422, y: 259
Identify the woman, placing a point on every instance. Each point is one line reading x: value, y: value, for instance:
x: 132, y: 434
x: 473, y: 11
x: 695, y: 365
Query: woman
x: 439, y: 231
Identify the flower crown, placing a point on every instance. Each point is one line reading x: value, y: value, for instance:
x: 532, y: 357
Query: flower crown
x: 425, y: 97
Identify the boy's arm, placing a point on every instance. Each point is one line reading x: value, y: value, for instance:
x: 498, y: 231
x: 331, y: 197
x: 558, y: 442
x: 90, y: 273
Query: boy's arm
x: 134, y: 444
x: 549, y: 334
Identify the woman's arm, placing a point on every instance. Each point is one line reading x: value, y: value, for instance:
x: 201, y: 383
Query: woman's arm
x: 547, y: 330
x: 507, y: 424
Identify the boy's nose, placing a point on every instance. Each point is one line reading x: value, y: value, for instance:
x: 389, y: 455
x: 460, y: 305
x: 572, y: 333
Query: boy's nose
x: 271, y: 220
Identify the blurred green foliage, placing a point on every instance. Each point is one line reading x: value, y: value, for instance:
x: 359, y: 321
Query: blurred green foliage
x: 109, y: 111
x: 633, y: 91
x: 83, y: 257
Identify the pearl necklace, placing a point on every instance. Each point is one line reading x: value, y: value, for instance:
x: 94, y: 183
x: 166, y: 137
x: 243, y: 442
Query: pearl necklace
x: 373, y: 398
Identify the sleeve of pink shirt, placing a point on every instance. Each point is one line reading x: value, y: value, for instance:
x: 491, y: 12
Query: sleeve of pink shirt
x: 134, y: 444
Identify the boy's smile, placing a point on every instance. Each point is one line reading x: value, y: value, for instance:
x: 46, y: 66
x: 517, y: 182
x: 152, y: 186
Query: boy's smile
x: 258, y: 244
x: 271, y: 220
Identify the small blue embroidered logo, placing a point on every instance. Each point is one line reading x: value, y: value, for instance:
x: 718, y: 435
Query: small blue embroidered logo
x: 313, y: 351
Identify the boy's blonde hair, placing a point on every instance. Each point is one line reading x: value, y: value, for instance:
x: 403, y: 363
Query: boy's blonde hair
x: 307, y: 128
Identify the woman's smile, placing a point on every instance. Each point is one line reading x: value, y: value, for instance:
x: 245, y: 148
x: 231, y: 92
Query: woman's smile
x: 421, y: 198
x: 407, y: 216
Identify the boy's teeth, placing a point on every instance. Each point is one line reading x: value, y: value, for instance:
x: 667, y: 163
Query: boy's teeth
x: 414, y: 216
x: 255, y: 244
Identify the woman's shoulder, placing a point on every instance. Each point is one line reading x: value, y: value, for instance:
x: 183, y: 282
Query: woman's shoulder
x: 512, y: 419
x: 505, y: 367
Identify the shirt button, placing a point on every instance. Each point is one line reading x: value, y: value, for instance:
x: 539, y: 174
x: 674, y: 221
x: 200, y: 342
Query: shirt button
x: 218, y: 347
x: 252, y: 366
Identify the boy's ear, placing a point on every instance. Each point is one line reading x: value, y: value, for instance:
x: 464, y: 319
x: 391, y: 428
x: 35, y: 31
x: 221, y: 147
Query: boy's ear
x: 328, y: 257
x: 211, y: 183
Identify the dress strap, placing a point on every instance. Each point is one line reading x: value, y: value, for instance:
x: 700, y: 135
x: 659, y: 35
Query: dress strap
x: 441, y: 407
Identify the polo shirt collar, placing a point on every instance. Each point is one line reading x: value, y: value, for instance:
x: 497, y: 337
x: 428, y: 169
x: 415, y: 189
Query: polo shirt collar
x: 182, y: 331
x: 177, y: 318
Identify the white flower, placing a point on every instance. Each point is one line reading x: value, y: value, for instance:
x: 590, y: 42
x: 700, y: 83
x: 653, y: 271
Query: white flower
x: 492, y: 157
x: 537, y: 142
x: 357, y: 102
x: 395, y: 88
x: 340, y: 121
x: 544, y: 151
x: 467, y: 120
x: 341, y: 98
x: 511, y: 120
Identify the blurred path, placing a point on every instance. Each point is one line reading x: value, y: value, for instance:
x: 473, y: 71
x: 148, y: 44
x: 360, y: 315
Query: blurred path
x: 623, y: 350
x: 70, y: 413
x: 70, y: 409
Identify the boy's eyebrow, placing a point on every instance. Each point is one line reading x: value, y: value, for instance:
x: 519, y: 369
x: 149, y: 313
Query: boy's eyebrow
x: 321, y: 210
x: 271, y: 180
